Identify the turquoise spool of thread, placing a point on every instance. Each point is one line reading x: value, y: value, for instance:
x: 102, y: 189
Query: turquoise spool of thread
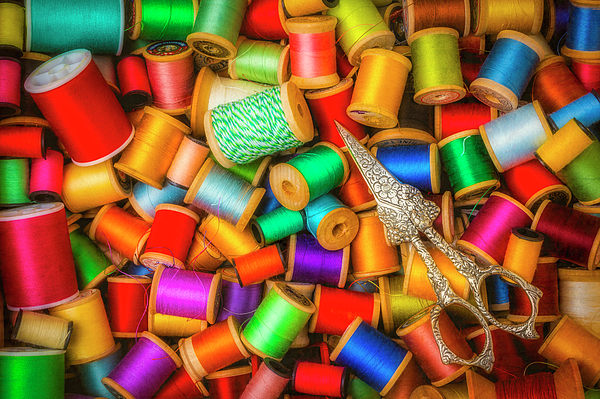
x: 331, y: 222
x: 144, y: 198
x: 90, y: 374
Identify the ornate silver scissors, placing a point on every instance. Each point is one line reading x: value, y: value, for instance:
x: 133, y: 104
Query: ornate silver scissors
x: 404, y: 212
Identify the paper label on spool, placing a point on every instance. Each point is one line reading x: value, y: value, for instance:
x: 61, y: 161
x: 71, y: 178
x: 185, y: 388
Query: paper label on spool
x: 201, y: 61
x: 124, y: 180
x: 167, y: 48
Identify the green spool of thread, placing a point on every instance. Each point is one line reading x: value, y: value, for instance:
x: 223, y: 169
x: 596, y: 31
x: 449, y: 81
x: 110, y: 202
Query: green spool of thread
x: 277, y: 224
x: 14, y: 181
x: 32, y: 373
x: 277, y: 322
x: 167, y: 19
x: 309, y: 175
x: 396, y: 307
x: 253, y: 172
x: 217, y: 27
x: 261, y: 61
x: 360, y: 26
x: 91, y: 265
x: 582, y: 175
x: 359, y: 389
x: 436, y: 66
x: 468, y: 165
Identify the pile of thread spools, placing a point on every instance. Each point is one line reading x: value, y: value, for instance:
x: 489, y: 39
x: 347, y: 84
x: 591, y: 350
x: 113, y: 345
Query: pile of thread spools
x: 180, y: 217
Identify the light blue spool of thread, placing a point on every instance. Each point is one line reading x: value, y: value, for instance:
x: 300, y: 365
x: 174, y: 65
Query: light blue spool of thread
x: 331, y: 222
x: 513, y: 138
x: 145, y: 198
x: 91, y: 373
x: 585, y: 109
x: 583, y: 32
x: 417, y: 165
x: 56, y: 26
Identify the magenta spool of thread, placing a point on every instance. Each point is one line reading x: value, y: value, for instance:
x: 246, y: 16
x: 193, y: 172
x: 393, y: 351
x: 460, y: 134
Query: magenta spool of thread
x: 238, y: 301
x: 143, y: 370
x: 45, y: 181
x: 488, y: 233
x: 10, y: 87
x: 309, y: 262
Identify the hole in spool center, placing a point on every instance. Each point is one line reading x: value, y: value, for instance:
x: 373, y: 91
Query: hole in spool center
x: 300, y: 110
x: 289, y: 188
x: 339, y: 230
x: 491, y: 98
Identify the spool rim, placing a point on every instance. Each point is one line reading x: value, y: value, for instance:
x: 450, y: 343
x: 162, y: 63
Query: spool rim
x: 312, y: 324
x: 494, y: 94
x: 348, y: 333
x: 234, y: 328
x: 311, y: 24
x: 294, y: 297
x: 386, y: 305
x: 405, y: 136
x: 329, y: 222
x: 448, y: 216
x: 297, y: 112
x: 211, y: 45
x: 382, y: 39
x: 211, y: 139
x: 160, y: 343
x: 441, y: 94
x: 200, y: 97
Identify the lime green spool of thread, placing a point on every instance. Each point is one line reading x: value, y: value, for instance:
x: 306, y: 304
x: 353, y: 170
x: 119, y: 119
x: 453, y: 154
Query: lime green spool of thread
x: 360, y: 26
x: 217, y: 27
x: 261, y: 61
x: 14, y: 181
x: 91, y: 265
x: 397, y: 307
x: 359, y: 389
x: 436, y: 66
x: 277, y: 224
x: 582, y: 175
x: 167, y: 19
x: 277, y: 322
x: 32, y: 373
x: 253, y: 172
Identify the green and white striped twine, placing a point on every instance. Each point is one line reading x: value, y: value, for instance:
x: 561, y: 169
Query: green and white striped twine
x: 253, y: 127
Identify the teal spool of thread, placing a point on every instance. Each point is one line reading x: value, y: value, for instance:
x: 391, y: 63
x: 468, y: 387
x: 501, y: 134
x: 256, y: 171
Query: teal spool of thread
x: 261, y: 61
x: 91, y: 265
x: 582, y: 175
x: 90, y: 374
x: 145, y: 198
x: 331, y: 222
x: 309, y: 175
x: 14, y: 181
x: 277, y: 224
x: 468, y: 165
x: 55, y: 26
x: 217, y: 27
x: 163, y: 19
x: 32, y: 373
x: 253, y: 172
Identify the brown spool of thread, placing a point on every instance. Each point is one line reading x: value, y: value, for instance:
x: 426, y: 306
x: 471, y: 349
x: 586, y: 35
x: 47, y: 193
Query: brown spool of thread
x: 423, y: 14
x: 412, y: 377
x: 554, y: 85
x: 188, y: 160
x: 370, y: 253
x: 203, y: 256
x: 522, y: 252
x: 355, y: 192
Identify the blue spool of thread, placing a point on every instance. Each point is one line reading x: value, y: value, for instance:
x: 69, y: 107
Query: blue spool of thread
x: 268, y: 202
x: 497, y: 292
x: 508, y: 149
x: 91, y: 373
x: 145, y: 198
x: 238, y: 301
x: 138, y: 270
x: 585, y: 109
x: 507, y: 70
x: 583, y: 30
x: 417, y: 165
x: 331, y: 222
x: 373, y: 357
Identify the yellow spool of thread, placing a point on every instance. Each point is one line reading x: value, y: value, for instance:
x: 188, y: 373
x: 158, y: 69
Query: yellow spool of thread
x: 379, y: 87
x: 12, y: 31
x: 492, y: 16
x: 42, y: 330
x: 174, y: 326
x: 203, y: 256
x: 87, y: 187
x: 564, y: 146
x: 522, y: 252
x: 150, y: 154
x: 92, y: 338
x: 226, y: 238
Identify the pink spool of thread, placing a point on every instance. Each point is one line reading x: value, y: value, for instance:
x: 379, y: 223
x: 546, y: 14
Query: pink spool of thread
x: 10, y: 87
x: 45, y: 181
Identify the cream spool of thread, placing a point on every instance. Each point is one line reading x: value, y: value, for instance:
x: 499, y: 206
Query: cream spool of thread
x: 211, y: 90
x: 149, y: 156
x: 436, y: 66
x: 370, y: 253
x: 12, y: 20
x: 187, y: 162
x: 412, y: 10
x: 91, y: 338
x: 312, y: 51
x: 293, y: 122
x: 579, y: 297
x: 379, y: 86
x: 260, y: 61
x: 400, y: 136
x: 87, y: 187
x: 236, y: 205
x: 230, y: 241
x: 298, y: 8
x: 416, y: 282
x: 174, y: 326
x: 293, y: 182
x: 203, y: 256
x: 41, y: 330
x: 522, y: 253
x: 570, y: 340
x: 492, y: 16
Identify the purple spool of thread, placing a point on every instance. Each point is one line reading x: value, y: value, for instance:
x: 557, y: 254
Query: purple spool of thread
x: 238, y: 301
x: 309, y: 262
x: 143, y: 369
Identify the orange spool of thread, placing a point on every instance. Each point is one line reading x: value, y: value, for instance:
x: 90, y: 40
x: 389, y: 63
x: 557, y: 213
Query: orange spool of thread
x: 370, y: 254
x: 22, y: 141
x: 554, y: 85
x: 337, y: 309
x: 355, y: 192
x: 120, y: 231
x: 417, y: 334
x: 320, y: 379
x: 312, y: 51
x: 170, y: 237
x: 187, y: 162
x: 127, y: 305
x: 203, y: 256
x: 212, y: 349
x: 259, y: 265
x: 522, y: 252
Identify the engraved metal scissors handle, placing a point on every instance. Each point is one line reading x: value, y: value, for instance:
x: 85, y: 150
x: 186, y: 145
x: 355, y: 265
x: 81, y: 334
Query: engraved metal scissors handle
x: 404, y: 212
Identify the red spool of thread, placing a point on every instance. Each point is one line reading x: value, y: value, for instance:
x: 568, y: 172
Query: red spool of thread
x: 337, y: 309
x: 229, y: 383
x: 312, y: 51
x: 181, y: 386
x: 571, y: 235
x: 22, y: 141
x: 458, y: 117
x: 46, y: 177
x: 264, y: 20
x: 531, y: 183
x: 469, y: 71
x: 127, y: 305
x: 170, y: 237
x: 260, y: 265
x: 587, y: 72
x: 329, y: 105
x: 417, y: 334
x: 355, y: 193
x: 134, y: 82
x: 10, y: 86
x: 344, y: 68
x: 82, y: 109
x: 320, y: 379
x: 36, y: 261
x: 554, y: 85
